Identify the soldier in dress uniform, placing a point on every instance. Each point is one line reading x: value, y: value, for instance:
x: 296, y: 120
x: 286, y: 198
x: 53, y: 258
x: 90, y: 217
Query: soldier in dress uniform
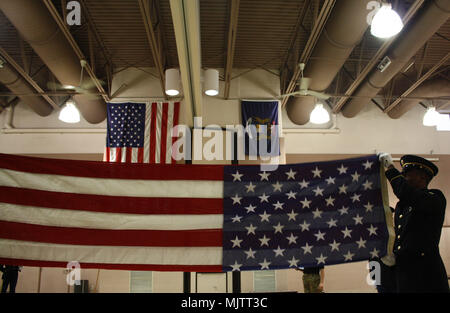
x: 10, y: 276
x: 418, y: 219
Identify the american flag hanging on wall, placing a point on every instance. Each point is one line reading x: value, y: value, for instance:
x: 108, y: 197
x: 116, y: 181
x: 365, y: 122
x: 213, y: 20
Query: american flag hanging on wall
x: 141, y: 132
x: 199, y: 218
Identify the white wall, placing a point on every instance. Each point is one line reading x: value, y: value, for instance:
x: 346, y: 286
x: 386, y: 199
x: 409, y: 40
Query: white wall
x: 372, y: 130
x: 39, y: 141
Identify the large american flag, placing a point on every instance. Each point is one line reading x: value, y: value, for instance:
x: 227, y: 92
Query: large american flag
x: 141, y: 132
x: 199, y: 218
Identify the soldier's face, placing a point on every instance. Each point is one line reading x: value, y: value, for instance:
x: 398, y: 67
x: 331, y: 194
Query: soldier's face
x: 416, y: 179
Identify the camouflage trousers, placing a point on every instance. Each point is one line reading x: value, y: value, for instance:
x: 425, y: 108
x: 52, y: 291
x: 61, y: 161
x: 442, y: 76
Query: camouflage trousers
x: 311, y: 283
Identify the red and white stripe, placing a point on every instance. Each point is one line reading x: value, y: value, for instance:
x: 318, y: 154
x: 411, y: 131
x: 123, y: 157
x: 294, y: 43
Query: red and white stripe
x: 160, y: 119
x: 115, y: 216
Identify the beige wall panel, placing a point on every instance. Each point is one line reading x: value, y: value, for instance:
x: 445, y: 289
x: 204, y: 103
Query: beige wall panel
x: 112, y: 281
x: 53, y: 280
x: 28, y: 280
x: 294, y: 280
x: 350, y: 277
x: 247, y: 281
x: 211, y: 283
x: 167, y: 282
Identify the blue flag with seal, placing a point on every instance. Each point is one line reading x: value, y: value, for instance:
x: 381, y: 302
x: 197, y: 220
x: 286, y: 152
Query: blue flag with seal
x: 260, y: 119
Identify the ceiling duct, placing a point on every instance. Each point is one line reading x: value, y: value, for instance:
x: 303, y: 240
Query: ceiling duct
x: 186, y: 24
x: 410, y: 41
x: 18, y: 85
x: 432, y: 88
x: 36, y: 25
x: 343, y: 31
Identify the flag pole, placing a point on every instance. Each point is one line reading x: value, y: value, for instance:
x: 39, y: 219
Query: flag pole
x: 389, y: 258
x: 39, y: 280
x: 96, y: 281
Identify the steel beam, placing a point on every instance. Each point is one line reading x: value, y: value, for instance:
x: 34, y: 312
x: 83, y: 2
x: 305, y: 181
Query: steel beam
x: 232, y: 31
x: 144, y: 7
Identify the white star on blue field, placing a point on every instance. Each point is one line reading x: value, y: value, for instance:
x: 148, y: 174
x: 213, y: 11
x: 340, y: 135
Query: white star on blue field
x: 303, y: 215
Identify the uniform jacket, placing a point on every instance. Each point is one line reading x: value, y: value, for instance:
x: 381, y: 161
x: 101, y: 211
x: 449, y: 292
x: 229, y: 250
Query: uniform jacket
x: 418, y: 218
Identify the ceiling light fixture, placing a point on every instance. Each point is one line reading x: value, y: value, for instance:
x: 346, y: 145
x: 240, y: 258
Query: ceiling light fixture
x: 211, y: 82
x: 210, y: 78
x: 172, y: 82
x: 319, y: 115
x: 386, y: 22
x: 431, y: 117
x: 443, y: 123
x: 69, y: 113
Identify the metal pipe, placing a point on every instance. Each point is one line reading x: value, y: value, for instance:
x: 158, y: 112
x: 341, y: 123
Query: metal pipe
x: 430, y: 19
x: 37, y: 26
x: 18, y: 85
x: 343, y: 31
x: 432, y: 88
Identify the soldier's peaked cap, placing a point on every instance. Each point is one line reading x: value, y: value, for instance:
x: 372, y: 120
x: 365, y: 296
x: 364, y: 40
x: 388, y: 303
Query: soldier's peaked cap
x: 416, y: 162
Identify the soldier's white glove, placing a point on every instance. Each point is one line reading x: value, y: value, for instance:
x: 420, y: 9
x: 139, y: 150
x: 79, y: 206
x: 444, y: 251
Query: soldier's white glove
x: 385, y: 159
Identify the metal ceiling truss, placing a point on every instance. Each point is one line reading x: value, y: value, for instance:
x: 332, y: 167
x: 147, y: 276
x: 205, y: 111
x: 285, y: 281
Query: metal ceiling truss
x: 186, y: 23
x: 284, y: 71
x: 155, y: 44
x: 232, y: 31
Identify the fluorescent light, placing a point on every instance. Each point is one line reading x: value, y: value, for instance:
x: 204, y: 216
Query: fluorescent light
x: 211, y: 92
x: 386, y: 22
x: 172, y: 92
x: 319, y: 115
x: 212, y: 82
x: 69, y: 113
x: 68, y: 87
x: 172, y: 82
x: 431, y: 117
x: 443, y: 123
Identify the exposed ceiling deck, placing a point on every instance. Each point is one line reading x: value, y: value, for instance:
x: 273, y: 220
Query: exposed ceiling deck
x: 269, y: 35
